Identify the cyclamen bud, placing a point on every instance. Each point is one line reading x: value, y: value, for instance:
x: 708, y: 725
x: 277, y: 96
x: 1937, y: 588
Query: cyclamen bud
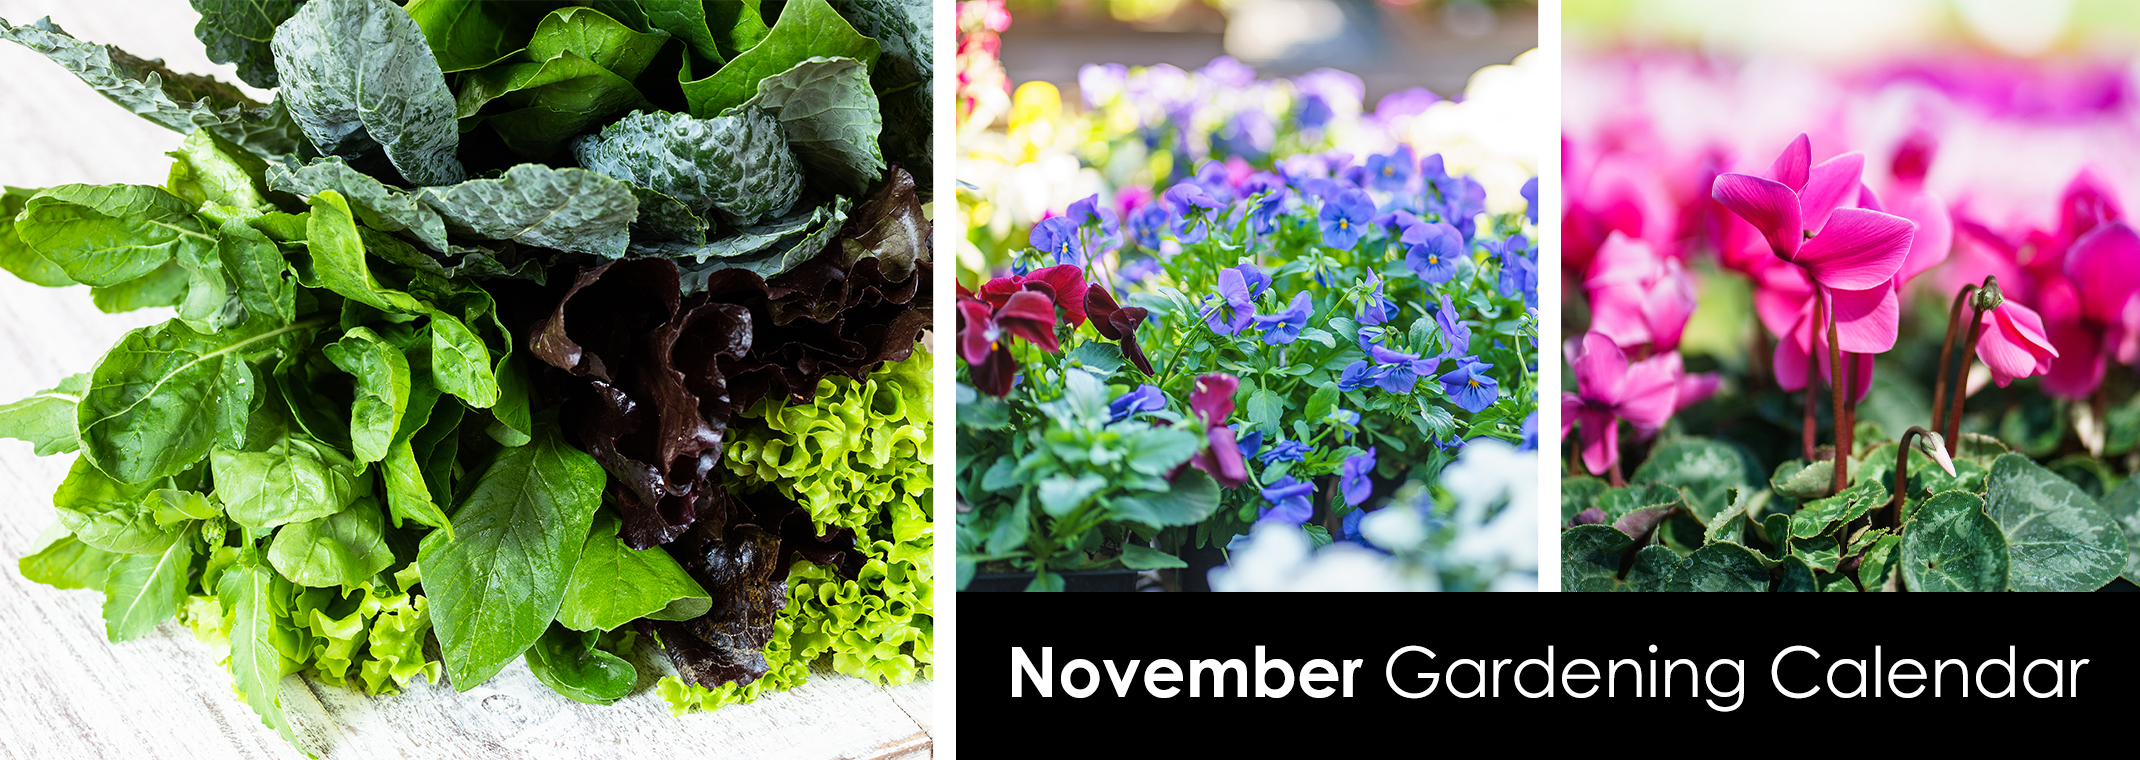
x: 1988, y: 296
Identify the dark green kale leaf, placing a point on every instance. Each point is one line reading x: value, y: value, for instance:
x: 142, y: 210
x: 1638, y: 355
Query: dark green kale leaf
x: 238, y: 31
x: 739, y: 164
x: 358, y: 76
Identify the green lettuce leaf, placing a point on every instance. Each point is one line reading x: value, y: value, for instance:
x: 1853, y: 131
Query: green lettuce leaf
x: 806, y: 29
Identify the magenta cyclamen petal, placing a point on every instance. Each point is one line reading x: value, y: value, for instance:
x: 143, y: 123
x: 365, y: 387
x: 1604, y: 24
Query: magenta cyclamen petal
x: 1601, y: 440
x: 1934, y: 238
x: 1652, y: 391
x: 1865, y: 320
x: 2104, y: 266
x: 1601, y: 370
x: 1827, y: 187
x: 1792, y: 165
x: 1766, y: 204
x: 1858, y: 250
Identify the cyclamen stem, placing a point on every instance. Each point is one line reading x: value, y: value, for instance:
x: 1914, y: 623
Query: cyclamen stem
x: 1946, y: 353
x: 1953, y: 432
x: 1617, y: 481
x: 1811, y: 424
x: 1902, y: 476
x: 1842, y: 429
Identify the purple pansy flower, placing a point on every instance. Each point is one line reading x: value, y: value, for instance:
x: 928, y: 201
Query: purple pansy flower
x: 1392, y: 172
x: 1379, y: 308
x: 1057, y: 236
x: 1469, y: 385
x: 1285, y: 451
x: 1356, y: 484
x: 1146, y: 223
x: 1288, y: 501
x: 1346, y: 216
x: 1400, y: 369
x: 1235, y: 307
x: 1530, y: 199
x: 1530, y: 432
x: 1285, y: 326
x: 1144, y: 398
x: 1254, y: 277
x: 1090, y: 212
x: 1263, y: 211
x: 1457, y: 333
x: 1431, y: 251
x: 1359, y: 374
x: 1189, y: 204
x: 1250, y: 444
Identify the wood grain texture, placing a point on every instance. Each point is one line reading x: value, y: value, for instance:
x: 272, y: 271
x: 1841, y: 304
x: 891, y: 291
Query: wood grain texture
x: 65, y: 692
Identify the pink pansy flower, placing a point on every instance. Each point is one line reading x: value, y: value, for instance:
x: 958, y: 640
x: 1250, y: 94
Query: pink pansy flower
x: 2013, y: 344
x: 1638, y: 297
x: 1212, y: 401
x: 1610, y: 389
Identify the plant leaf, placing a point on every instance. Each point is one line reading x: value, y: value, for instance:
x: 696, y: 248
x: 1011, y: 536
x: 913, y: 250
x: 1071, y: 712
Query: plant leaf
x: 829, y: 114
x: 614, y: 584
x: 382, y: 393
x: 1195, y: 496
x: 380, y: 206
x: 343, y: 549
x: 806, y: 29
x: 109, y: 234
x: 253, y: 595
x: 739, y: 164
x: 162, y: 396
x: 1141, y: 557
x: 237, y: 31
x: 179, y: 102
x: 2061, y: 540
x: 1953, y: 546
x: 146, y: 589
x: 294, y: 479
x: 359, y: 75
x: 568, y: 662
x: 566, y: 209
x: 471, y: 34
x: 46, y: 419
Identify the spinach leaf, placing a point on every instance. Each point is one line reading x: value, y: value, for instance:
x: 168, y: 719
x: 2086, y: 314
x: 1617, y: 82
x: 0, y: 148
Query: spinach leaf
x: 574, y: 665
x: 496, y: 585
x: 166, y: 393
x: 470, y: 34
x: 19, y: 259
x: 338, y: 257
x: 685, y: 19
x: 615, y: 584
x: 460, y: 364
x: 108, y: 514
x: 806, y: 29
x: 146, y: 589
x: 830, y: 117
x: 407, y: 495
x: 238, y: 31
x: 179, y: 102
x: 358, y: 75
x: 382, y: 374
x: 108, y: 234
x: 343, y: 549
x: 738, y: 163
x: 566, y: 209
x: 294, y: 479
x: 253, y: 596
x: 209, y: 169
x: 46, y: 419
x: 64, y: 562
x: 164, y: 287
x: 258, y: 271
x: 380, y: 206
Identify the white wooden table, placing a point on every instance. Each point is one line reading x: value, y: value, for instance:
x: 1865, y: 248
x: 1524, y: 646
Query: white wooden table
x: 65, y: 692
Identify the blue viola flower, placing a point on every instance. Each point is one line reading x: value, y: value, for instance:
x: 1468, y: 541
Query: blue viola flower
x: 1212, y: 177
x: 1346, y: 216
x: 1288, y: 501
x: 1285, y: 451
x: 1370, y: 335
x: 1190, y: 204
x: 1392, y: 172
x: 1249, y: 134
x: 1355, y: 481
x: 1254, y: 277
x: 1349, y: 529
x: 1378, y: 308
x: 1090, y: 212
x: 1456, y: 334
x: 1137, y: 271
x: 1400, y: 369
x: 1146, y: 223
x: 1469, y: 385
x: 1359, y: 374
x: 1530, y: 429
x: 1520, y: 275
x: 1249, y: 444
x: 1057, y: 236
x: 1144, y: 398
x: 1285, y: 326
x: 1314, y: 112
x: 1345, y: 417
x: 1233, y: 305
x: 1530, y: 199
x: 1397, y: 221
x: 1431, y: 251
x: 1263, y: 212
x: 1261, y: 182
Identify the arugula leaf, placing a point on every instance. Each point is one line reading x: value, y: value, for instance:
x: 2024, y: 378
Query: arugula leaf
x: 382, y: 374
x: 162, y: 396
x: 252, y: 595
x: 806, y: 29
x: 108, y: 514
x: 65, y: 562
x: 830, y: 116
x: 566, y: 209
x: 19, y: 259
x: 179, y: 102
x: 470, y: 34
x: 495, y: 586
x: 146, y: 589
x: 738, y: 163
x: 46, y: 419
x: 358, y: 75
x: 109, y: 234
x: 573, y: 664
x: 237, y: 31
x: 615, y: 584
x: 343, y: 549
x: 294, y: 479
x: 380, y: 206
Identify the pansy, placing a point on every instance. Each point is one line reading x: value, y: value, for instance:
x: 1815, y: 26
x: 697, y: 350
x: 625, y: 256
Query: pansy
x: 1360, y: 374
x: 1285, y: 451
x: 1145, y: 225
x: 1057, y: 236
x: 1431, y: 251
x: 1235, y: 305
x: 1090, y: 212
x: 1250, y: 444
x: 1264, y: 210
x: 1144, y: 398
x: 1530, y: 200
x: 1190, y: 205
x: 1284, y: 326
x: 1400, y: 370
x: 1392, y: 172
x: 1288, y: 501
x: 1345, y: 217
x: 1376, y: 308
x: 985, y: 330
x: 1355, y: 481
x: 1212, y: 177
x: 1212, y: 401
x: 1119, y: 324
x: 1455, y: 333
x: 1469, y: 385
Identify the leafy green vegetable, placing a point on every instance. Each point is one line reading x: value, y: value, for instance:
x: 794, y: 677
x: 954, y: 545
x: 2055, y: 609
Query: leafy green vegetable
x: 571, y: 663
x: 614, y: 584
x: 292, y: 479
x: 378, y: 205
x: 566, y: 209
x: 382, y: 374
x: 830, y: 117
x: 252, y: 593
x: 64, y: 562
x: 359, y: 76
x: 471, y: 34
x: 737, y: 163
x: 46, y: 419
x: 145, y: 589
x: 534, y: 504
x: 109, y: 234
x: 344, y: 549
x: 806, y: 29
x: 19, y: 259
x: 238, y: 31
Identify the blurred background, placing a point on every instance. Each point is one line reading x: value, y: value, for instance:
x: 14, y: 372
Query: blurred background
x: 1390, y: 44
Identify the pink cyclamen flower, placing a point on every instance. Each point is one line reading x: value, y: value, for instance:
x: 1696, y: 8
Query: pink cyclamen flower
x: 1610, y: 389
x: 2014, y: 344
x: 1638, y: 297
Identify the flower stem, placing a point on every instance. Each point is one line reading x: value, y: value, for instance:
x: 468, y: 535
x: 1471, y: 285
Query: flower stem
x: 1946, y: 353
x: 1811, y: 424
x: 1902, y: 477
x: 1953, y: 433
x: 1842, y: 434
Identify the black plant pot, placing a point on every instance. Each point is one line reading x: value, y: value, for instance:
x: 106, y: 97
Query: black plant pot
x: 1113, y: 579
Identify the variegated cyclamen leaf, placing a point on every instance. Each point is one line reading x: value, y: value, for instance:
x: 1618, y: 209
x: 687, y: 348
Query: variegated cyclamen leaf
x: 358, y: 75
x: 830, y: 116
x: 739, y: 164
x: 566, y: 209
